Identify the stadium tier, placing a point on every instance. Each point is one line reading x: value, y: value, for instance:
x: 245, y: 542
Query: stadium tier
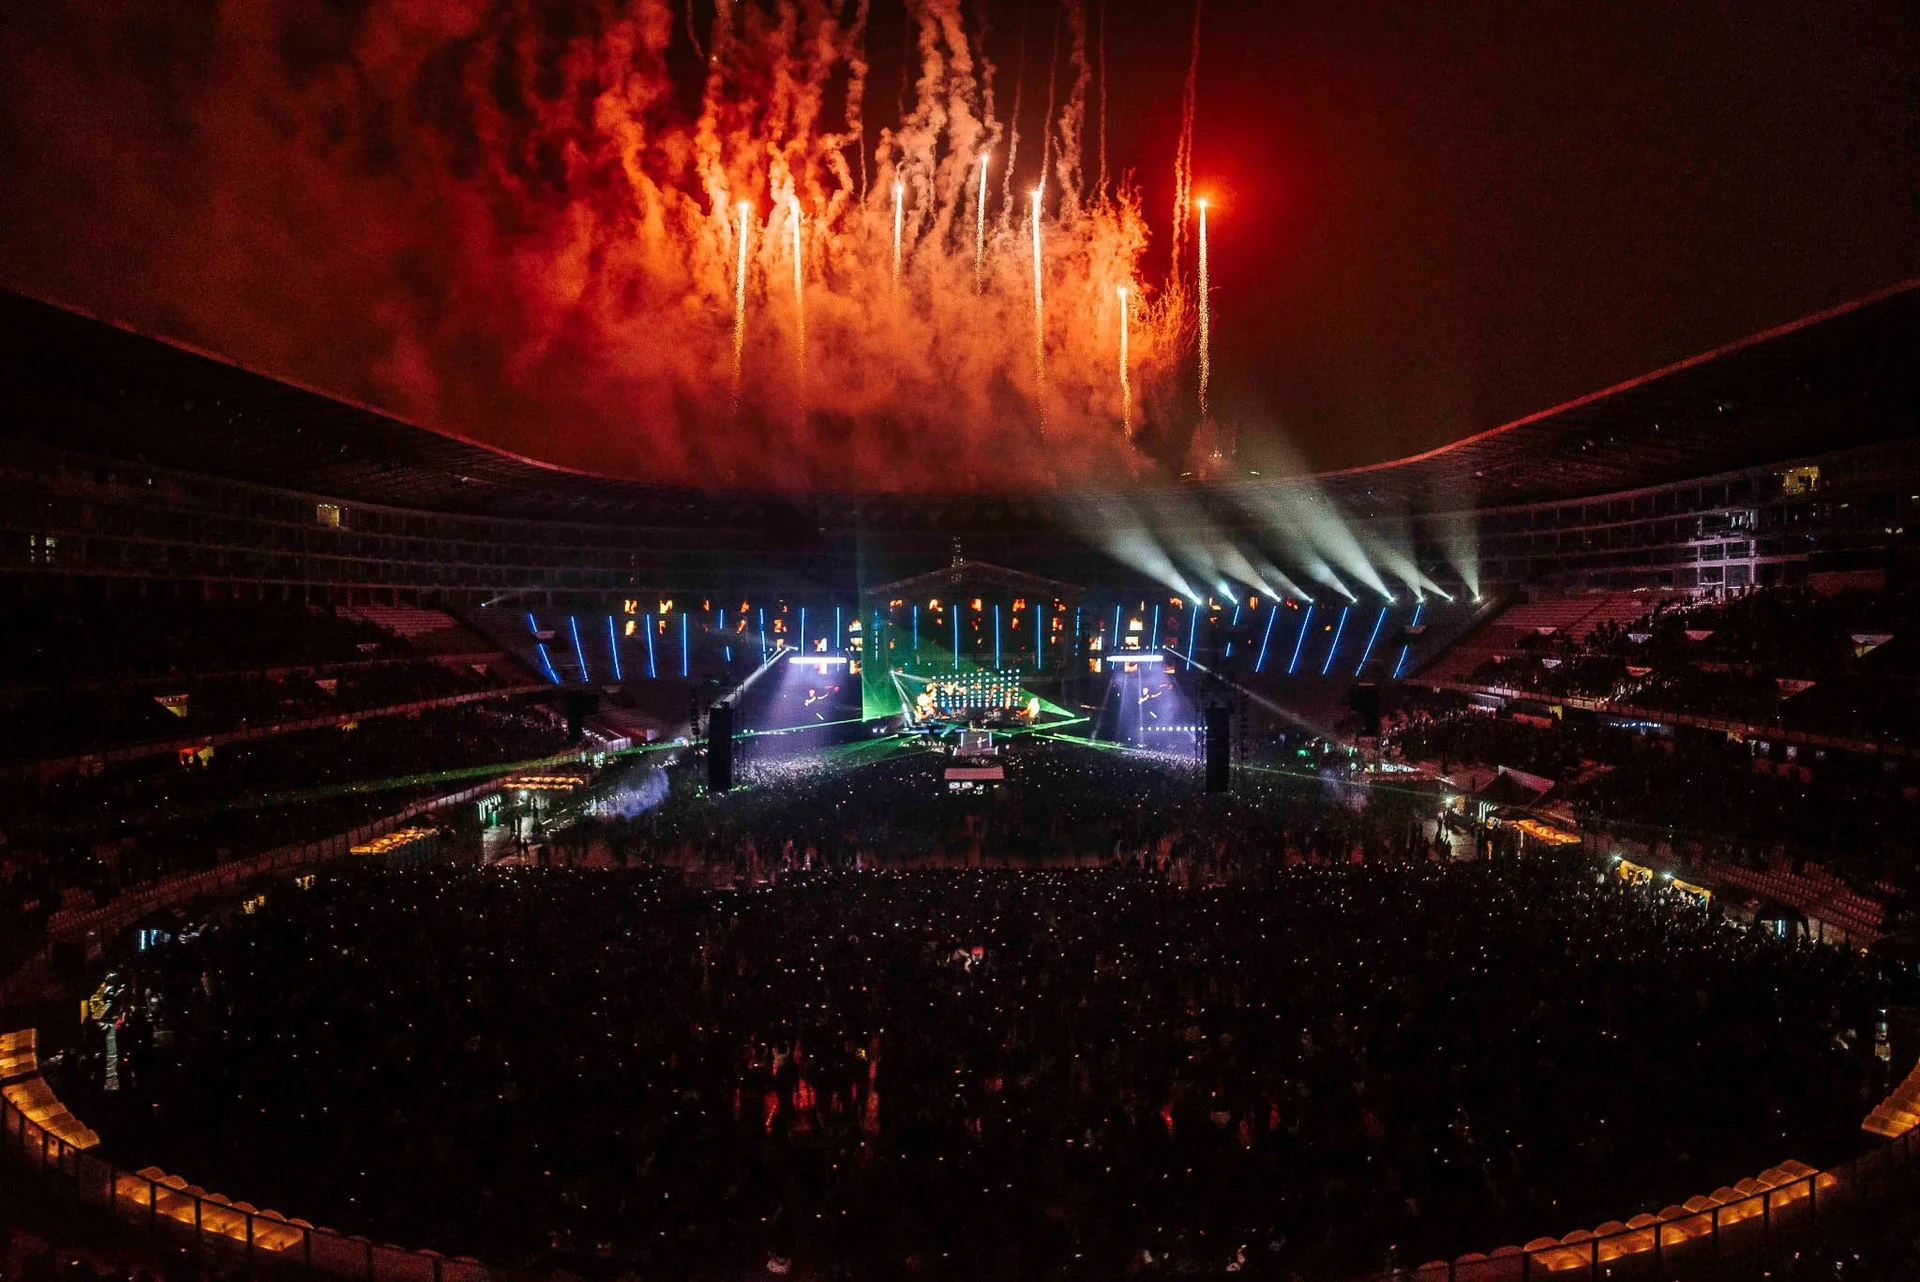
x: 1326, y: 876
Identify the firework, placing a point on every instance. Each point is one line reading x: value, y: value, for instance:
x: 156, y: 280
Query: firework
x: 799, y: 294
x: 740, y: 306
x: 1126, y: 377
x: 980, y: 233
x: 617, y: 300
x: 1039, y: 320
x: 1206, y: 318
x: 899, y: 208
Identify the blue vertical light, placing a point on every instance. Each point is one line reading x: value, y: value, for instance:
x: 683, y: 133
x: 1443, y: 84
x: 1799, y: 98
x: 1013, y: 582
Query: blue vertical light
x: 613, y: 648
x: 579, y: 654
x: 836, y: 628
x: 547, y: 663
x: 685, y: 667
x: 531, y: 625
x: 954, y: 610
x: 653, y: 672
x: 803, y: 629
x: 1335, y: 647
x: 916, y: 630
x: 1301, y: 640
x: 761, y: 614
x: 1153, y: 634
x: 996, y: 636
x: 1418, y: 608
x: 1114, y: 644
x: 1374, y: 636
x: 1273, y: 612
x: 1193, y: 631
x: 1076, y: 630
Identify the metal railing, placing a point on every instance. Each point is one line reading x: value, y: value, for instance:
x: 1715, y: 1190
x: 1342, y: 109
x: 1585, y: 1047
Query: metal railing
x: 167, y: 1209
x: 1705, y: 1241
x: 76, y: 924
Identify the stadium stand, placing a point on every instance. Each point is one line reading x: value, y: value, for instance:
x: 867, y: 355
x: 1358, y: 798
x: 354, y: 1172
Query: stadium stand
x: 1671, y: 624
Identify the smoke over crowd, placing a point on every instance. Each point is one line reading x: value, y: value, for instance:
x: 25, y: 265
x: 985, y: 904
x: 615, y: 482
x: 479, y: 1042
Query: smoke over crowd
x: 525, y: 222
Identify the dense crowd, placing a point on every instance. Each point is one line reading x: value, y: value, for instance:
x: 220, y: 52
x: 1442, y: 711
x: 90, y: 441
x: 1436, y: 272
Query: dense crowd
x: 1352, y: 1055
x: 883, y: 804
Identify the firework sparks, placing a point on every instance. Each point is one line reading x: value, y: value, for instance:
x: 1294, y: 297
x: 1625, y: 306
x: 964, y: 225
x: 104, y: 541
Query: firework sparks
x: 899, y: 214
x: 980, y: 233
x: 740, y: 306
x: 1206, y: 317
x: 1039, y: 320
x: 617, y: 299
x: 1126, y: 375
x: 799, y: 297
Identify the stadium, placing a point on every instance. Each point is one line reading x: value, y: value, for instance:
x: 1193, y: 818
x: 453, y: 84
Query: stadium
x: 622, y: 663
x: 1637, y: 660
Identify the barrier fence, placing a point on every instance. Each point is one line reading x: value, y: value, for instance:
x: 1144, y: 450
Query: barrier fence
x: 171, y: 1211
x: 246, y: 734
x: 1734, y: 1233
x: 76, y: 924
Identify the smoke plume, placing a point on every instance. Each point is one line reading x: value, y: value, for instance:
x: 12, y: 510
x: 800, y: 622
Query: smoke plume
x: 519, y: 221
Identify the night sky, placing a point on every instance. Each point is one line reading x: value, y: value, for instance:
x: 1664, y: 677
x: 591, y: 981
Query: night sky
x: 1428, y: 219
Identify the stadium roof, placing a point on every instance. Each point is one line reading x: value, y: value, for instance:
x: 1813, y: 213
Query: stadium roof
x: 1845, y: 377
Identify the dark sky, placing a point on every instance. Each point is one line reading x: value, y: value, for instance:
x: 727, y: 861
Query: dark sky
x: 1429, y: 219
x: 1442, y: 217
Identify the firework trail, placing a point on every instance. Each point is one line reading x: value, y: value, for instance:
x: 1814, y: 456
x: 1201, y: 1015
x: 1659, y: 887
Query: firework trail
x: 1046, y: 121
x: 585, y: 281
x: 1039, y: 319
x: 740, y: 308
x: 1013, y: 123
x: 799, y: 298
x: 1071, y: 122
x: 1206, y: 317
x: 1100, y: 188
x: 899, y: 196
x: 1183, y: 154
x: 980, y: 233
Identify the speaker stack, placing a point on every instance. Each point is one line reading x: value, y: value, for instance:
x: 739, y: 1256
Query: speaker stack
x: 720, y: 747
x: 1219, y: 744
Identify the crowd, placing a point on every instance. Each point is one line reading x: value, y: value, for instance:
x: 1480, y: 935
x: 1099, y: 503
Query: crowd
x: 79, y: 839
x: 76, y: 640
x: 1734, y: 798
x: 1844, y: 664
x: 884, y: 805
x: 1353, y: 1055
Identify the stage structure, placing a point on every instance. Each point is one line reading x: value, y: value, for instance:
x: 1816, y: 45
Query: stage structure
x: 971, y: 644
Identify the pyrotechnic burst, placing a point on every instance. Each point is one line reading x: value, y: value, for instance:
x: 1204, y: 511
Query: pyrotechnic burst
x: 980, y: 233
x: 1039, y: 317
x: 744, y: 232
x: 799, y: 298
x: 595, y: 266
x: 1206, y: 317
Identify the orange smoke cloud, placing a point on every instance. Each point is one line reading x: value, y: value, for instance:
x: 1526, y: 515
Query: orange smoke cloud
x: 524, y: 227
